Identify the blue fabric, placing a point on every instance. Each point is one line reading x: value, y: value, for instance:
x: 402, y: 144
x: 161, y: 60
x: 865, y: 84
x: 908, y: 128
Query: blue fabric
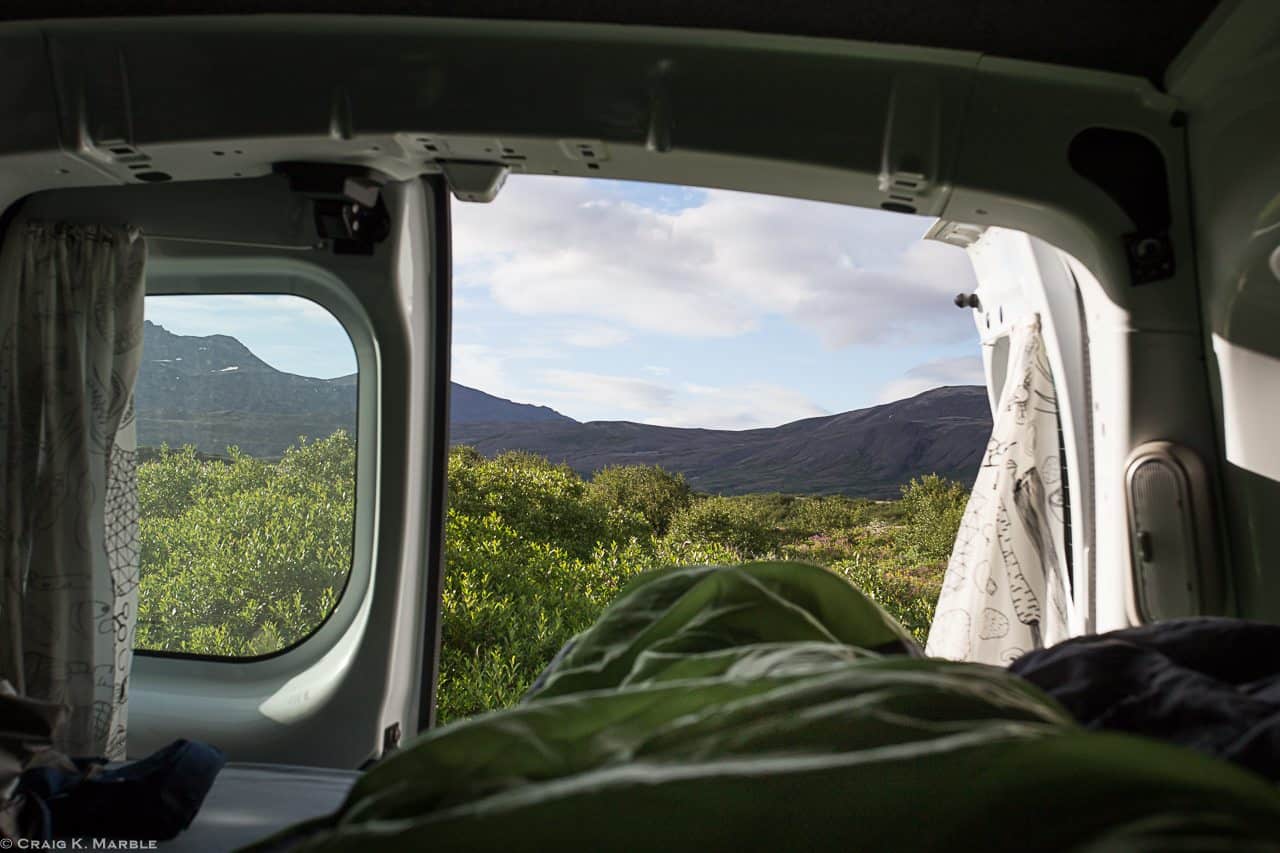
x: 152, y: 799
x: 1211, y: 684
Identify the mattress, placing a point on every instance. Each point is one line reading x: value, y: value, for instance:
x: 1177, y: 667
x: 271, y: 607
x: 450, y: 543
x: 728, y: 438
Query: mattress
x: 251, y: 801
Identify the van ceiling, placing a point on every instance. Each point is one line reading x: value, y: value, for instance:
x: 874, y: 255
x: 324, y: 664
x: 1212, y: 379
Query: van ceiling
x: 1139, y: 37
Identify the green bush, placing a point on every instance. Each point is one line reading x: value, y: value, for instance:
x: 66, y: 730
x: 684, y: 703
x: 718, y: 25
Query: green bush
x: 510, y: 602
x: 541, y: 501
x: 243, y: 557
x: 932, y: 508
x: 646, y: 490
x: 827, y: 514
x: 746, y: 528
x: 874, y: 560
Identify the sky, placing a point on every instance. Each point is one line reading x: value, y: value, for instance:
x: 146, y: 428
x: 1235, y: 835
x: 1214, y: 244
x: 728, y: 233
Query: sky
x: 611, y: 300
x: 288, y: 332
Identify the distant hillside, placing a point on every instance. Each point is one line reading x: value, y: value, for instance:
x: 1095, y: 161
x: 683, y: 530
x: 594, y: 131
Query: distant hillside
x: 213, y: 392
x: 469, y: 406
x: 868, y: 452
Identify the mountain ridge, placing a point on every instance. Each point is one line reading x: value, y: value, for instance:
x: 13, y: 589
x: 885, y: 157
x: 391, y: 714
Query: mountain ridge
x: 213, y: 392
x: 868, y: 452
x: 192, y: 389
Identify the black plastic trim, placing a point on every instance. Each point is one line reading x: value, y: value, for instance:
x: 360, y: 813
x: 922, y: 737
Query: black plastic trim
x: 441, y: 305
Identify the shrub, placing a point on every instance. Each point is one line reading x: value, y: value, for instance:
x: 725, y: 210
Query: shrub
x: 932, y: 508
x: 541, y: 501
x: 509, y: 603
x: 646, y: 490
x: 908, y: 593
x: 239, y: 556
x: 826, y: 515
x: 168, y: 484
x: 743, y: 527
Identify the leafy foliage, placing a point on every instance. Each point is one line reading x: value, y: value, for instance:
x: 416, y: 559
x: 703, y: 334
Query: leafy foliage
x: 932, y: 508
x: 655, y: 494
x: 746, y: 528
x: 541, y: 501
x: 243, y: 556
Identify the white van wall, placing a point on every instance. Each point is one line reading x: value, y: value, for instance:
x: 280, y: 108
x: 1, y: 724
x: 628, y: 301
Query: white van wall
x: 1227, y: 78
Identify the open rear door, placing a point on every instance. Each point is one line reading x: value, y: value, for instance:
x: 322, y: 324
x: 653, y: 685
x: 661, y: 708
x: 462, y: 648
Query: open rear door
x: 1020, y: 576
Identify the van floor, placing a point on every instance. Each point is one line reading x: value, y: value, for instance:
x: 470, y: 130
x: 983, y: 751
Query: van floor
x: 249, y: 802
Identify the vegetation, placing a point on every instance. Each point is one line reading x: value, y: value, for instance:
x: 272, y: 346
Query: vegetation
x: 242, y: 556
x: 648, y: 490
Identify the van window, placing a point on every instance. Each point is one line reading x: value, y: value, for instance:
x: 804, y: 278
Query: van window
x: 246, y: 416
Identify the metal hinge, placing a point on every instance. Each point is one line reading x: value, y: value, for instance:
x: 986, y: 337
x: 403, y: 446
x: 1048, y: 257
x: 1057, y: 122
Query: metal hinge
x: 347, y: 204
x: 391, y: 738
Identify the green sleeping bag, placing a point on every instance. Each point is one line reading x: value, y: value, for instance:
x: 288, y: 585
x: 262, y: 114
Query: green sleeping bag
x: 772, y: 706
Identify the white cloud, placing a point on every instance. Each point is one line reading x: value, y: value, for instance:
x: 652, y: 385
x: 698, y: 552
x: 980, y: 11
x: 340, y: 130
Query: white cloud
x: 595, y: 337
x: 575, y: 389
x: 499, y: 370
x: 552, y: 246
x: 964, y: 370
x: 695, y: 388
x: 478, y: 366
x: 742, y: 407
x: 223, y: 313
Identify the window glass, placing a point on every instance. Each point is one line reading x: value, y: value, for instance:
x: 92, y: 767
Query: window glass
x: 246, y: 413
x: 650, y: 375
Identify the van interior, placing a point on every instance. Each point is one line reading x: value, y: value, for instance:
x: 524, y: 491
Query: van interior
x: 1110, y: 174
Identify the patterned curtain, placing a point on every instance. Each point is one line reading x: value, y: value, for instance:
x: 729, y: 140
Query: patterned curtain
x: 1005, y: 590
x: 71, y: 302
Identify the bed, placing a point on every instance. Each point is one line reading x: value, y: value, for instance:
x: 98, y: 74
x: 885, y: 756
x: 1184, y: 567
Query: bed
x: 774, y: 706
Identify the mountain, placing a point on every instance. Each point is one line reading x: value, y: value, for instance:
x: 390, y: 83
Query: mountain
x: 213, y: 392
x: 469, y: 406
x: 868, y: 452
